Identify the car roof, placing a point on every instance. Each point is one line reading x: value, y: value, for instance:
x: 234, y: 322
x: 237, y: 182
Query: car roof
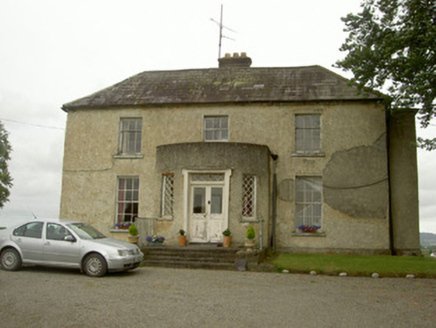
x: 45, y: 221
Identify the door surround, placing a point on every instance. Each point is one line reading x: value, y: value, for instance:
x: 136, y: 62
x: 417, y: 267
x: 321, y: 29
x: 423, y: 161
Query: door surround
x: 187, y: 184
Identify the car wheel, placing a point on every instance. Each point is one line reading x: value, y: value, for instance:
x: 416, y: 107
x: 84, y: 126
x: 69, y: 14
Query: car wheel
x: 10, y: 259
x: 95, y: 265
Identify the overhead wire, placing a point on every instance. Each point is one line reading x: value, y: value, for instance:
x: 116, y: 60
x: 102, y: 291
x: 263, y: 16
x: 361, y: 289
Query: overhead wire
x: 32, y: 124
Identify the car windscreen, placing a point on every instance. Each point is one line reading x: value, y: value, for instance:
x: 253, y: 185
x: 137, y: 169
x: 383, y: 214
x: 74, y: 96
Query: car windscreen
x: 85, y: 231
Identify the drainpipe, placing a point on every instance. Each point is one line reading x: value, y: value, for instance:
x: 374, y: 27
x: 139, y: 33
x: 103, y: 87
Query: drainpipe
x: 388, y: 147
x: 274, y: 202
x: 261, y: 234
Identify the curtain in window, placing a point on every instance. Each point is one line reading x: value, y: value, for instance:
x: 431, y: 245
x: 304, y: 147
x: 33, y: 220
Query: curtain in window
x: 308, y: 201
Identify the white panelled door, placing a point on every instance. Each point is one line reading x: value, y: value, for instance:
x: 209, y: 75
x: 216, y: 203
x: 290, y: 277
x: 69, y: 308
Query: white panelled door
x: 208, y: 214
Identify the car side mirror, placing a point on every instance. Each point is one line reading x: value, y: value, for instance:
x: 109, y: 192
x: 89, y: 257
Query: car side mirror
x: 70, y: 238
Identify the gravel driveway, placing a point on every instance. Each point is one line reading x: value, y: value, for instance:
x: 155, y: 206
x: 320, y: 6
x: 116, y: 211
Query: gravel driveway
x: 157, y: 297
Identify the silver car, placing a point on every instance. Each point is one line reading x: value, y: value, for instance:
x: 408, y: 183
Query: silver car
x: 66, y: 244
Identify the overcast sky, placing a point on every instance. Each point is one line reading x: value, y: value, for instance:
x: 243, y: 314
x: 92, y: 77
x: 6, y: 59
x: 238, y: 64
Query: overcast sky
x: 55, y: 51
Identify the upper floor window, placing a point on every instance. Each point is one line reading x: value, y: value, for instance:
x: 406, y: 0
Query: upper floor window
x: 130, y: 136
x: 308, y: 133
x: 216, y: 128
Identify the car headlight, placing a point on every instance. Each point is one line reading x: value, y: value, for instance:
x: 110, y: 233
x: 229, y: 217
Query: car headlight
x: 123, y: 252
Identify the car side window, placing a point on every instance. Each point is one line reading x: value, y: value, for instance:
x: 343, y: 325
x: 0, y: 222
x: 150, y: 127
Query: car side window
x: 32, y: 230
x: 56, y: 232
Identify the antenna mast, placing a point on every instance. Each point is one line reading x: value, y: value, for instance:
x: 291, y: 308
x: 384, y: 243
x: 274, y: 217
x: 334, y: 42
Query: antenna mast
x: 220, y: 24
x: 221, y: 32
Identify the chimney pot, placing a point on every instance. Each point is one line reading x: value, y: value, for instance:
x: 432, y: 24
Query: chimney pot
x: 238, y: 61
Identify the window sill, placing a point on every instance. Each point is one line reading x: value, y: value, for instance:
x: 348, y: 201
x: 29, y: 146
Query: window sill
x: 308, y: 234
x: 119, y: 230
x: 320, y: 154
x: 126, y: 156
x: 249, y: 220
x: 165, y: 218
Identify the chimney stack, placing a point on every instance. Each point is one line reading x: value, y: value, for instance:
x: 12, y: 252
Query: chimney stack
x: 239, y: 61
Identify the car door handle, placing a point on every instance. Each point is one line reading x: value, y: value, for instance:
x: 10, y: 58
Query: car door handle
x: 47, y: 243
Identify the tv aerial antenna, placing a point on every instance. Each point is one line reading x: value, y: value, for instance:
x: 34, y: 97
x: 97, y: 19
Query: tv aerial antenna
x: 221, y: 26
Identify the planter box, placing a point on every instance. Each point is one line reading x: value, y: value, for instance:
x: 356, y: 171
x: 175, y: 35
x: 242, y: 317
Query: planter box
x: 155, y: 243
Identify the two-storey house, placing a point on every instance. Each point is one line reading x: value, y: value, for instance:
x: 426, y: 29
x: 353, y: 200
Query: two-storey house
x: 278, y: 148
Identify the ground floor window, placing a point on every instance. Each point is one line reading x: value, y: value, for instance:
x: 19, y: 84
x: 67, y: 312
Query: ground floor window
x: 127, y: 201
x: 249, y: 191
x: 308, y: 204
x: 167, y: 195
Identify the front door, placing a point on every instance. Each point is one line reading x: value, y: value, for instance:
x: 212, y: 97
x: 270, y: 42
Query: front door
x: 208, y: 218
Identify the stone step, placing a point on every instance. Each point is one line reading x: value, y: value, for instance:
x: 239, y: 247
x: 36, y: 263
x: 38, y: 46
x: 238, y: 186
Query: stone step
x: 175, y: 258
x: 194, y: 257
x: 189, y: 264
x: 197, y: 257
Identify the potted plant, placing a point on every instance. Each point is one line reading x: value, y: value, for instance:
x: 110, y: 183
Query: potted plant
x: 227, y: 239
x: 250, y: 238
x: 182, y: 238
x: 308, y: 228
x: 155, y: 240
x: 133, y: 234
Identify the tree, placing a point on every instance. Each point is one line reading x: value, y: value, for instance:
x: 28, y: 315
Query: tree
x: 5, y: 177
x: 391, y: 46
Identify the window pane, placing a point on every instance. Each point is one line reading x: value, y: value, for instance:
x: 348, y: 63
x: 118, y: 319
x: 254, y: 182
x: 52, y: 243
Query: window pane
x: 224, y: 135
x: 199, y: 200
x: 224, y: 122
x: 209, y: 135
x: 209, y: 122
x: 216, y: 201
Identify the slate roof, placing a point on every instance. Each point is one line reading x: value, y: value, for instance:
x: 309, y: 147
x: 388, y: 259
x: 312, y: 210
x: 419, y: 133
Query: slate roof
x: 224, y: 85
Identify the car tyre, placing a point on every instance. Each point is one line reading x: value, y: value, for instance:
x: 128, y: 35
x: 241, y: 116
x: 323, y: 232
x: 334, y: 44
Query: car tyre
x: 10, y: 259
x: 95, y: 265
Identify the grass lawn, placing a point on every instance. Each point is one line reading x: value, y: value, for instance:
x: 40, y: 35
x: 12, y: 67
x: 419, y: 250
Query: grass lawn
x: 357, y: 265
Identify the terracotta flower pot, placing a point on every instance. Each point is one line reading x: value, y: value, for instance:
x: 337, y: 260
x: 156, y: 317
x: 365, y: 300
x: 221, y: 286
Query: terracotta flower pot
x: 182, y: 240
x: 133, y: 239
x: 227, y: 240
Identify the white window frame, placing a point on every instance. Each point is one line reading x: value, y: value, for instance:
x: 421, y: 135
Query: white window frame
x: 167, y: 209
x: 125, y: 202
x: 219, y: 128
x: 308, y: 201
x: 308, y: 134
x: 130, y: 139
